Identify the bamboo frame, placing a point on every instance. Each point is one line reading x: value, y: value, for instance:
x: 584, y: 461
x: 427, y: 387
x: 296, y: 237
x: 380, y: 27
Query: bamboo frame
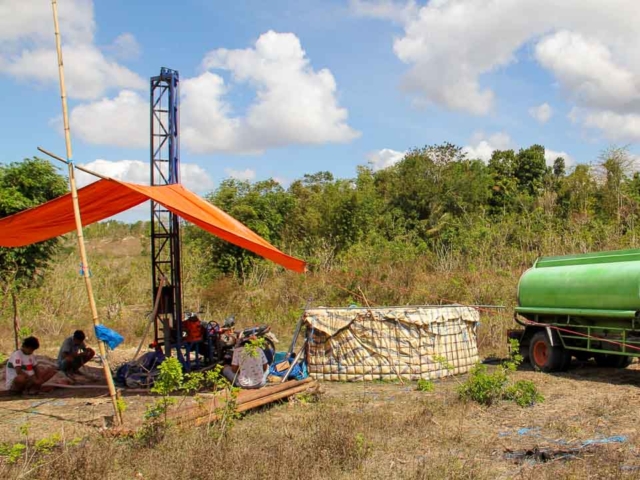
x: 78, y: 219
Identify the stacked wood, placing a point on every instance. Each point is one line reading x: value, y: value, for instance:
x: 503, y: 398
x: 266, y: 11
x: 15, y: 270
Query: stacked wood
x: 207, y: 412
x: 245, y: 400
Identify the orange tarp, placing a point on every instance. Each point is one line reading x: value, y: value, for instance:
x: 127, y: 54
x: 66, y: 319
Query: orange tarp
x: 108, y: 197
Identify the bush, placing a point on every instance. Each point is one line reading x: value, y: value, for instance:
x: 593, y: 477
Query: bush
x: 483, y: 387
x: 425, y: 385
x: 487, y: 388
x: 523, y: 392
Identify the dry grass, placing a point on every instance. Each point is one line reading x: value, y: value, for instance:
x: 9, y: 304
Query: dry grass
x: 375, y: 431
x: 381, y: 431
x: 120, y: 272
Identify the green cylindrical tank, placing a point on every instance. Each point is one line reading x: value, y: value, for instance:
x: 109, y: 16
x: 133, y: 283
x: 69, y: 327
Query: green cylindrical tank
x: 605, y: 284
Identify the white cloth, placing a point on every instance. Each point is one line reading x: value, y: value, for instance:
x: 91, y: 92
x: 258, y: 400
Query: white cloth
x: 19, y: 359
x: 250, y: 372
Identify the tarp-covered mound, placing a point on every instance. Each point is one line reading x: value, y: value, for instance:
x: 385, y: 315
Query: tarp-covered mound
x: 413, y: 342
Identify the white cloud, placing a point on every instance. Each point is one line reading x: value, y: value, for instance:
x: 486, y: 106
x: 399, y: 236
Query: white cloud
x: 294, y: 103
x: 193, y: 176
x: 246, y: 174
x: 28, y: 20
x: 122, y: 121
x: 125, y: 47
x: 450, y: 45
x: 398, y: 11
x: 384, y: 158
x: 615, y: 126
x: 482, y: 148
x: 27, y: 49
x: 542, y: 113
x: 587, y: 71
x: 551, y: 155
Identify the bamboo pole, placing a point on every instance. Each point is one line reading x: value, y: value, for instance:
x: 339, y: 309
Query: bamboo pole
x: 154, y: 314
x: 78, y: 219
x: 78, y: 167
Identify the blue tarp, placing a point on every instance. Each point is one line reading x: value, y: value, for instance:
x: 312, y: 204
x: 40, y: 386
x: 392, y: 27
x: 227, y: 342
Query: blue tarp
x: 299, y: 372
x: 108, y: 336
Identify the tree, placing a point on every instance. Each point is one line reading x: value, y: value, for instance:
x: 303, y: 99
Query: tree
x: 613, y: 168
x: 530, y: 169
x: 559, y: 168
x: 261, y: 206
x: 24, y: 185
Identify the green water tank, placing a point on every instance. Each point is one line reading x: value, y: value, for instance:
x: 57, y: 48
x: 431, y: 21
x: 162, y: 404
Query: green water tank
x: 604, y: 284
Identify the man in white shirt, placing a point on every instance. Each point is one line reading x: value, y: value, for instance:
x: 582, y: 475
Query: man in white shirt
x: 22, y: 372
x: 249, y: 367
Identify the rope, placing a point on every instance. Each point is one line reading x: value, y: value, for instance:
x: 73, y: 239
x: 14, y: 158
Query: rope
x: 566, y: 330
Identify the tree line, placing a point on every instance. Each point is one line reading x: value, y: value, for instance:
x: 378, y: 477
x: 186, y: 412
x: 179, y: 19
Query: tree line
x: 436, y: 199
x: 434, y: 202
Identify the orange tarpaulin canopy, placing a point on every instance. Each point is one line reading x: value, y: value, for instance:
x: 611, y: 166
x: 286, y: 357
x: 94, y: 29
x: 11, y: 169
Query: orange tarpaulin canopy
x: 109, y: 197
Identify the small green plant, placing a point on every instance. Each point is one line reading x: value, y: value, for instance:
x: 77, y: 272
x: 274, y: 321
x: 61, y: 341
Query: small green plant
x: 24, y: 332
x: 12, y: 452
x: 483, y: 387
x: 487, y: 388
x: 121, y: 405
x: 425, y: 385
x: 47, y: 444
x: 170, y: 379
x: 252, y: 346
x: 524, y: 393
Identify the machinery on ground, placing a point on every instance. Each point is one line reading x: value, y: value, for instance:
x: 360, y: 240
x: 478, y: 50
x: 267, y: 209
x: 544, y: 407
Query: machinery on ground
x: 195, y: 343
x: 584, y: 306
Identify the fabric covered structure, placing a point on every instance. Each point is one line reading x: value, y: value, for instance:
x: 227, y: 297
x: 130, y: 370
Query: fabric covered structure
x: 413, y: 342
x: 109, y: 197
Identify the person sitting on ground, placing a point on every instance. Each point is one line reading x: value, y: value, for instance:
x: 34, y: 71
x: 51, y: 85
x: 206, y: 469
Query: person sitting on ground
x: 22, y: 372
x: 74, y: 353
x: 249, y: 367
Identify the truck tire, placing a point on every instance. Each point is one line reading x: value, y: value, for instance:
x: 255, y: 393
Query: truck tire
x: 544, y: 357
x: 612, y: 361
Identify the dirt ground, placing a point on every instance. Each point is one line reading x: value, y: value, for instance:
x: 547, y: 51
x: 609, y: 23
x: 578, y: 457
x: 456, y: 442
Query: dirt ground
x: 585, y: 428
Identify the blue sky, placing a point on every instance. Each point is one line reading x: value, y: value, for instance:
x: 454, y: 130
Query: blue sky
x: 349, y: 81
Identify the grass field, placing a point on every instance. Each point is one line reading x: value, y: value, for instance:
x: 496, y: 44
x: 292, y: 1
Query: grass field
x: 378, y: 430
x: 372, y: 430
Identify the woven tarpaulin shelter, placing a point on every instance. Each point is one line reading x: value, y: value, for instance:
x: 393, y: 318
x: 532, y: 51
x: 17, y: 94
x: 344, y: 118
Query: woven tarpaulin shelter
x: 109, y: 197
x: 411, y: 342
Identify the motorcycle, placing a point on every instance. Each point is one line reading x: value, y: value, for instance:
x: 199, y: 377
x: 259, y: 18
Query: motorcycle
x: 220, y: 340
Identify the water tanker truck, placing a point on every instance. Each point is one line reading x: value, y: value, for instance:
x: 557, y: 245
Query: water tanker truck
x: 584, y: 306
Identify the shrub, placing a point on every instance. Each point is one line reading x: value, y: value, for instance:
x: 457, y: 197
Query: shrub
x: 523, y: 392
x: 487, y: 388
x: 425, y: 385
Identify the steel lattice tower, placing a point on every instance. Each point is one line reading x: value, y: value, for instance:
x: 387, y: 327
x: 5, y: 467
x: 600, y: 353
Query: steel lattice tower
x: 165, y: 227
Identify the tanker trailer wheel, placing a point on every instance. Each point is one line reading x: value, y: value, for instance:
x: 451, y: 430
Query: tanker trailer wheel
x: 545, y: 357
x: 612, y: 361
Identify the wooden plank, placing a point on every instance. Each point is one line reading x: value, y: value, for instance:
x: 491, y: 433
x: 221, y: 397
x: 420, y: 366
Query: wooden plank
x: 258, y: 402
x: 243, y: 396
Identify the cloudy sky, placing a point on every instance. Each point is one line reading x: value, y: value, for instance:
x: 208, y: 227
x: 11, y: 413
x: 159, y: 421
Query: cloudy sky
x: 287, y: 87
